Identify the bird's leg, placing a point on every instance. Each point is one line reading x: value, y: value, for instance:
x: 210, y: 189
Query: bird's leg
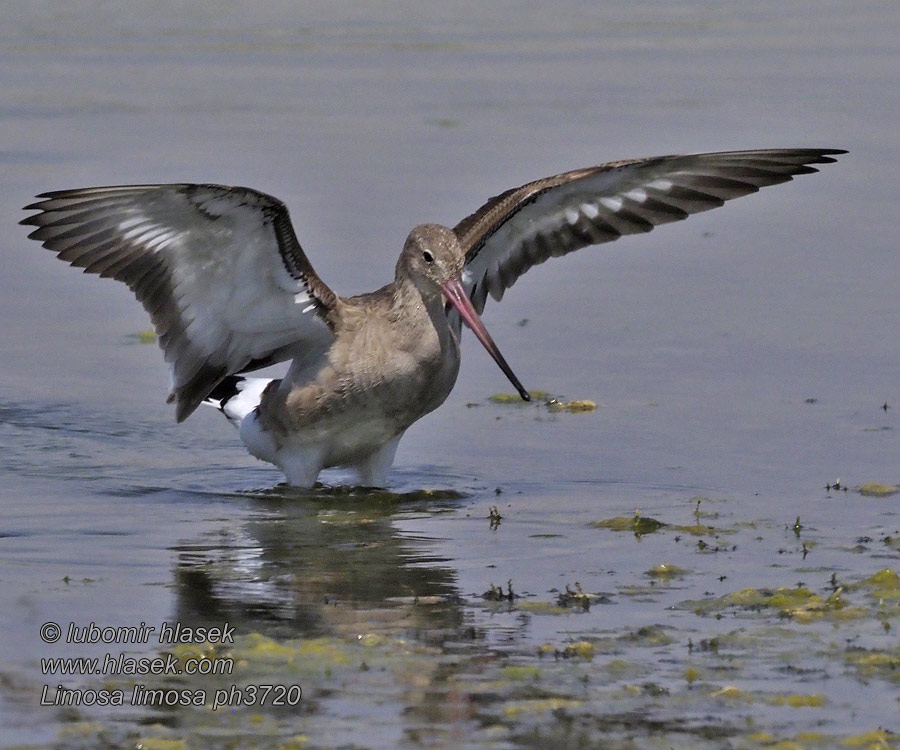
x: 300, y: 464
x: 373, y: 470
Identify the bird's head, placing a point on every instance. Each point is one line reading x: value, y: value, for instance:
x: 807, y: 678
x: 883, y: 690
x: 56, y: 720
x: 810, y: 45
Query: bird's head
x: 433, y: 260
x: 431, y: 257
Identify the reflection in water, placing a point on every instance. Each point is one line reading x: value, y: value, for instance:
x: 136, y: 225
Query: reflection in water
x: 309, y: 566
x: 325, y: 592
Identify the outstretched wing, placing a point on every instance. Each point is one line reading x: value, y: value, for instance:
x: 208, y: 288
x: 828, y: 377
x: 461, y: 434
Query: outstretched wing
x: 524, y: 226
x: 219, y: 269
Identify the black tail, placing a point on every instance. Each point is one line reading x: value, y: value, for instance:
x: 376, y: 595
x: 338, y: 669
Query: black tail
x: 225, y: 391
x: 237, y: 396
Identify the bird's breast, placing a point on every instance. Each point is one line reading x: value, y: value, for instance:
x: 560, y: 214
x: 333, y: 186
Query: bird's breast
x: 384, y: 376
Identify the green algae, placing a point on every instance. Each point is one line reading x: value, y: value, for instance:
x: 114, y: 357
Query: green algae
x: 636, y: 524
x: 648, y: 635
x: 815, y: 700
x: 583, y: 405
x: 553, y: 403
x: 317, y: 655
x: 640, y: 525
x: 798, y: 603
x: 877, y: 489
x: 515, y: 398
x: 580, y: 649
x: 160, y: 743
x: 883, y: 663
x: 883, y: 585
x: 879, y: 739
x: 732, y: 693
x: 697, y: 529
x: 664, y: 685
x: 514, y: 672
x: 507, y: 398
x: 142, y: 337
x: 516, y: 709
x: 666, y: 571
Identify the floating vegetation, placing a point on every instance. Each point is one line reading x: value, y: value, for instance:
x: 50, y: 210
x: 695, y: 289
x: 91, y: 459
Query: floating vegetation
x: 700, y: 529
x: 571, y: 406
x: 880, y: 739
x: 161, y: 743
x: 514, y: 398
x: 576, y: 598
x: 571, y: 601
x: 497, y: 594
x: 804, y: 605
x: 639, y: 525
x: 142, y: 337
x: 883, y: 663
x: 507, y: 398
x: 314, y: 655
x: 514, y: 672
x: 884, y: 586
x: 798, y: 603
x: 666, y: 571
x: 553, y: 403
x: 817, y: 700
x: 732, y: 693
x: 782, y: 677
x: 876, y: 489
x: 516, y: 709
x: 636, y: 524
x: 581, y: 688
x: 580, y: 650
x: 648, y: 635
x: 542, y: 608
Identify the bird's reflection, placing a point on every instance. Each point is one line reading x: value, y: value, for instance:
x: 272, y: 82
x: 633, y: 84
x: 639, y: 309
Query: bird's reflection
x: 329, y: 592
x: 319, y: 564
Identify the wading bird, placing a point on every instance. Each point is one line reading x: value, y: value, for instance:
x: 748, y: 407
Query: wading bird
x: 229, y: 290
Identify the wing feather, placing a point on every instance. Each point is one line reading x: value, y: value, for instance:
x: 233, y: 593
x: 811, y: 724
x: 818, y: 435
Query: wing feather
x: 525, y: 226
x: 219, y: 270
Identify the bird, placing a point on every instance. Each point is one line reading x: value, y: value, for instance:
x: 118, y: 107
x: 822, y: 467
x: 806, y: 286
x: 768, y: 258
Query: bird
x: 230, y: 290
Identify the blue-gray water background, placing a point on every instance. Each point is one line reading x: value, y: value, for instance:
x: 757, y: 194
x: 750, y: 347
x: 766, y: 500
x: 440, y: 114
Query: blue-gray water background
x: 741, y: 356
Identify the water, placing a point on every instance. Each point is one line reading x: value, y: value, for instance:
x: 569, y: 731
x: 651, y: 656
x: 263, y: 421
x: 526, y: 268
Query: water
x: 740, y: 358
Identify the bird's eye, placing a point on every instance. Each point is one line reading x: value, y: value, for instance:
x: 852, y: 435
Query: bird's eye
x: 427, y: 257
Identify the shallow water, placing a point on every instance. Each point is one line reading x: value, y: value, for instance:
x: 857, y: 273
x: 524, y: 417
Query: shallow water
x: 740, y: 361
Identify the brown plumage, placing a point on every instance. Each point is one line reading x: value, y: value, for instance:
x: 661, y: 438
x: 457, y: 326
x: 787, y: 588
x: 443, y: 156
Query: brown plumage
x: 229, y: 289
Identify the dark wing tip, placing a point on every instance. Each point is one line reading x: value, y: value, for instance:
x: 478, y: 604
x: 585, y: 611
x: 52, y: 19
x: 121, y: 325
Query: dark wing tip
x: 36, y: 206
x: 823, y: 155
x: 184, y: 410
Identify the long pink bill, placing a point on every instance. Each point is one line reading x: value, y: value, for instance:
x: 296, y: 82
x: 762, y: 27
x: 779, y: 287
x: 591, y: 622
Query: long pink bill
x: 455, y: 294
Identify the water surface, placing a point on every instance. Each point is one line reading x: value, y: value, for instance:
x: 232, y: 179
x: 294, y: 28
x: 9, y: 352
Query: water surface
x: 740, y: 362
